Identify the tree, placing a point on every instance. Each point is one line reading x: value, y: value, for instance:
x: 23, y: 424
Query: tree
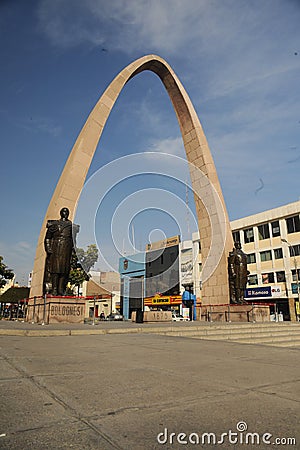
x: 14, y: 294
x: 5, y: 273
x: 81, y: 263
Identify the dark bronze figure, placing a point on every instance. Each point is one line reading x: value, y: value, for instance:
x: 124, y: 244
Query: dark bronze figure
x: 59, y: 245
x: 237, y: 274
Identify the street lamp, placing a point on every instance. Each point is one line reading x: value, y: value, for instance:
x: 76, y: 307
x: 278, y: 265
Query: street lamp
x: 295, y: 264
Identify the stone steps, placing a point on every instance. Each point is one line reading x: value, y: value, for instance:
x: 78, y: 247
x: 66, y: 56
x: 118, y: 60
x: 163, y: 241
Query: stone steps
x: 282, y: 335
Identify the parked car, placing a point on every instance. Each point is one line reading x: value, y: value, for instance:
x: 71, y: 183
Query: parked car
x: 179, y: 318
x: 114, y: 316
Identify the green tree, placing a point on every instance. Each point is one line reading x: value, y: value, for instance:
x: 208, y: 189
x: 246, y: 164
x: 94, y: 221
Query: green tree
x: 5, y: 273
x: 81, y: 264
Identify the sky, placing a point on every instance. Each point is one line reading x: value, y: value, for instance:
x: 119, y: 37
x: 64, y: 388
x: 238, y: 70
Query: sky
x: 239, y: 61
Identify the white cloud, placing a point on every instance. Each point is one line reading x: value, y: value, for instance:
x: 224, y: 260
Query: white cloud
x: 232, y: 44
x: 173, y: 146
x: 238, y: 60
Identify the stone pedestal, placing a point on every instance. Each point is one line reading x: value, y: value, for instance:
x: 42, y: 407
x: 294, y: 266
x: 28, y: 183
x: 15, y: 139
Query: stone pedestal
x: 56, y: 310
x: 154, y: 316
x: 235, y: 313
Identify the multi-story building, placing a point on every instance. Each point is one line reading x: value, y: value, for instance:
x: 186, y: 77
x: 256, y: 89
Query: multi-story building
x: 166, y: 268
x: 271, y: 240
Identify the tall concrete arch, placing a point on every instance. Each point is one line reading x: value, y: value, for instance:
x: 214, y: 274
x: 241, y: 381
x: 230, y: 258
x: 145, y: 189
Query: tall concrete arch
x: 213, y: 225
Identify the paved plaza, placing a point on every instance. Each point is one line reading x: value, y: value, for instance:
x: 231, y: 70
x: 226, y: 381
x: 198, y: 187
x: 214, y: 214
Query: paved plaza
x: 122, y: 391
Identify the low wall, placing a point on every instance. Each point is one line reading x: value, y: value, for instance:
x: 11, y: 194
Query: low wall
x: 56, y: 310
x: 235, y: 313
x: 154, y: 316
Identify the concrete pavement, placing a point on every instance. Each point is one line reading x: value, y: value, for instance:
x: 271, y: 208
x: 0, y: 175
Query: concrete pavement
x: 121, y: 391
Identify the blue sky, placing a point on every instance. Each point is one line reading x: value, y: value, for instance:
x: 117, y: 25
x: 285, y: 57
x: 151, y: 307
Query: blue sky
x: 239, y: 60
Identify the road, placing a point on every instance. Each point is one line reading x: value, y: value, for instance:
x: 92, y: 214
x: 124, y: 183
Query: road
x: 132, y: 391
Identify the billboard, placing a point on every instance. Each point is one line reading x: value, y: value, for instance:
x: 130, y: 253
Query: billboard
x: 174, y: 240
x: 186, y: 265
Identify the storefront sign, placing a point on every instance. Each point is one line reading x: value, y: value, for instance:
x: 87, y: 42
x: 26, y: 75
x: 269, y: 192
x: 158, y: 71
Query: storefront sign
x: 258, y: 292
x: 276, y: 291
x: 161, y: 301
x: 174, y: 240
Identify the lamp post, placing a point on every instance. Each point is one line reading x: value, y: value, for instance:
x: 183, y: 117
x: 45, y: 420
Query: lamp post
x: 296, y: 267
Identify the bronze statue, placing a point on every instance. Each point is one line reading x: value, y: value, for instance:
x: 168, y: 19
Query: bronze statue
x: 237, y: 274
x: 59, y: 245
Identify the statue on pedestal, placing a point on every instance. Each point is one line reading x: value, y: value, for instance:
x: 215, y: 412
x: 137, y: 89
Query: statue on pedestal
x: 237, y: 274
x: 59, y: 244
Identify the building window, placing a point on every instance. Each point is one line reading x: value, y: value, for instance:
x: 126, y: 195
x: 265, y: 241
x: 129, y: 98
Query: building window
x: 248, y: 235
x: 266, y: 256
x: 280, y: 276
x: 294, y: 276
x: 294, y: 250
x: 268, y: 278
x: 275, y: 228
x: 252, y: 279
x: 263, y: 231
x: 251, y: 258
x: 236, y: 236
x: 293, y: 224
x: 278, y: 253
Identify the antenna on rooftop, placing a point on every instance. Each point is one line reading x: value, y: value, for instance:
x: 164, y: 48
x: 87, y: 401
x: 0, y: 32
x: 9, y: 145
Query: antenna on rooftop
x: 133, y: 238
x: 187, y: 209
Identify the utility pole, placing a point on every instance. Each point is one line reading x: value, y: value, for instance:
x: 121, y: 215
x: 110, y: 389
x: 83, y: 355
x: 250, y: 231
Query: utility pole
x: 292, y: 253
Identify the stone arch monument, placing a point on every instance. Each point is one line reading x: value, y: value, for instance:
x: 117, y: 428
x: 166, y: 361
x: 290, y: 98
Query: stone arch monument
x: 213, y: 222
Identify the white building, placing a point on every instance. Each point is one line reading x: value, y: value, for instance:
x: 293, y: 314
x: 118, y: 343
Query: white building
x: 271, y: 240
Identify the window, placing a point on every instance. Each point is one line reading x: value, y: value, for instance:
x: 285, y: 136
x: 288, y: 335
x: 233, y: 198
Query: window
x: 275, y: 228
x: 263, y: 231
x: 278, y: 253
x: 293, y: 224
x: 280, y: 276
x: 248, y: 235
x: 252, y: 279
x: 267, y: 278
x: 294, y: 250
x: 266, y: 256
x: 294, y: 275
x: 251, y: 258
x: 236, y: 236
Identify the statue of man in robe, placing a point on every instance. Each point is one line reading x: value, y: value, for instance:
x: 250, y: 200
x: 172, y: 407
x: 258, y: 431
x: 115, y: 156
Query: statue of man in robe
x: 238, y: 274
x: 59, y: 245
